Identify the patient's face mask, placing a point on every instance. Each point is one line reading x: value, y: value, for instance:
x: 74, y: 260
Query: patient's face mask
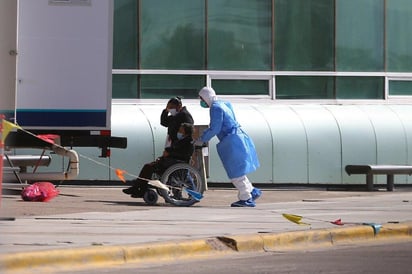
x: 173, y: 111
x: 180, y: 136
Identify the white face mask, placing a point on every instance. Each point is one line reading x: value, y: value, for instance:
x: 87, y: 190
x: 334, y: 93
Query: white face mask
x: 173, y: 111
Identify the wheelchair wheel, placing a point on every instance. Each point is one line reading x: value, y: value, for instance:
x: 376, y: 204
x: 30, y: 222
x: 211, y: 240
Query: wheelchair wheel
x: 179, y: 178
x: 150, y: 196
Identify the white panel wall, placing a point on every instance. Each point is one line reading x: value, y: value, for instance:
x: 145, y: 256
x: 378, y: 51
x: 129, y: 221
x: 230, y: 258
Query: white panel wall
x: 290, y: 151
x: 323, y: 141
x: 298, y: 144
x: 8, y: 21
x: 358, y: 139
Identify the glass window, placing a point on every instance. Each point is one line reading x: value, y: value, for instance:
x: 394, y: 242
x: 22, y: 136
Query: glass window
x: 359, y: 35
x: 304, y: 87
x: 125, y: 35
x: 166, y: 86
x: 241, y: 87
x: 304, y: 35
x: 239, y: 34
x: 360, y: 87
x: 400, y: 88
x: 124, y: 86
x: 172, y: 35
x: 398, y: 36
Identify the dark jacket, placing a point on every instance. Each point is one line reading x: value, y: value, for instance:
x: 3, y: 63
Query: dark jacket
x: 181, y: 149
x: 173, y: 122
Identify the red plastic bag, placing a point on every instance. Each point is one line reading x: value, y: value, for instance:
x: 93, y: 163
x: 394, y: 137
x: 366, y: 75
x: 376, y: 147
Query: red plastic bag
x: 39, y: 192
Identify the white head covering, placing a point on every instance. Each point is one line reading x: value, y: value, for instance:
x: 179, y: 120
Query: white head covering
x: 208, y: 94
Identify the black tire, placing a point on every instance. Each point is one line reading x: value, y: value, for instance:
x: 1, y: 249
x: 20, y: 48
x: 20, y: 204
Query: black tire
x: 150, y: 196
x: 179, y: 177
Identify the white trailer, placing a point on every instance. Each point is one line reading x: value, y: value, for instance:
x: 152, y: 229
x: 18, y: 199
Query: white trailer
x: 63, y: 71
x: 56, y: 69
x: 64, y: 64
x: 8, y: 22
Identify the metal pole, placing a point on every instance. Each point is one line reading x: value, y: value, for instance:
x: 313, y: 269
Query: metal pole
x: 390, y: 182
x: 369, y: 181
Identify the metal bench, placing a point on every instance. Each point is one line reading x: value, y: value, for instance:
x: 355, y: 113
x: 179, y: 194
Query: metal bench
x: 370, y: 170
x: 11, y: 169
x: 19, y: 163
x: 14, y: 170
x: 26, y: 160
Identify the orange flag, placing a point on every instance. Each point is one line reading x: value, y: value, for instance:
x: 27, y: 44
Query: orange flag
x: 120, y: 173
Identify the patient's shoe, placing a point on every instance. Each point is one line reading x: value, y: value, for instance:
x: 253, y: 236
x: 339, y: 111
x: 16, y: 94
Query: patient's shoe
x: 256, y: 193
x: 128, y: 191
x: 244, y: 203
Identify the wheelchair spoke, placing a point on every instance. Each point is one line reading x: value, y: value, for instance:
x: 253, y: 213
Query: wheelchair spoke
x: 179, y: 178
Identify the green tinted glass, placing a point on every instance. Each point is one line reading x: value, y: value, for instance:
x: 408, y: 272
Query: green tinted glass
x: 239, y: 34
x: 304, y: 35
x: 166, y: 86
x: 304, y: 87
x: 172, y: 34
x: 360, y: 87
x: 400, y: 88
x: 359, y: 35
x: 241, y: 87
x: 125, y: 35
x: 124, y: 86
x: 398, y: 35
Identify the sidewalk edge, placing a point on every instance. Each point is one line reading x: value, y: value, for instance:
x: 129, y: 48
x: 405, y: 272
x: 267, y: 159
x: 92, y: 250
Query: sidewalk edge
x: 98, y: 256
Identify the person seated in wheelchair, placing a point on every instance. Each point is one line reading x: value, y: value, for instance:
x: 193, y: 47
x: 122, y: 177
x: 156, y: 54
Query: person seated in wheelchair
x: 179, y: 152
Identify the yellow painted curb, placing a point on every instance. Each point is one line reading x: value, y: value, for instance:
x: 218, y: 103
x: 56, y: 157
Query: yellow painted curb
x: 395, y: 230
x: 296, y: 239
x: 52, y: 259
x: 98, y: 256
x: 174, y: 250
x: 316, y: 238
x: 244, y: 243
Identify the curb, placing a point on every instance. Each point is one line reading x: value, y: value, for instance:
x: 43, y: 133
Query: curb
x: 99, y: 256
x: 317, y: 238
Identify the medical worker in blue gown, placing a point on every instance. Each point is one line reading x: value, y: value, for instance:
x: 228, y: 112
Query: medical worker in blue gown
x: 235, y: 148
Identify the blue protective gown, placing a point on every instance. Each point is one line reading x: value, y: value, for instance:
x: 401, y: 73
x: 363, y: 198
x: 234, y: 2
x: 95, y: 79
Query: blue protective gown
x: 235, y: 148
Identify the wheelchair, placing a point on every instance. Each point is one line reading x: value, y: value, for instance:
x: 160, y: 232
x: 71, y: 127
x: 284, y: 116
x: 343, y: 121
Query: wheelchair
x: 183, y: 180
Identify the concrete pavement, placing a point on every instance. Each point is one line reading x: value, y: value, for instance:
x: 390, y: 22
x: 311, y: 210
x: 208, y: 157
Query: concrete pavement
x: 98, y: 226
